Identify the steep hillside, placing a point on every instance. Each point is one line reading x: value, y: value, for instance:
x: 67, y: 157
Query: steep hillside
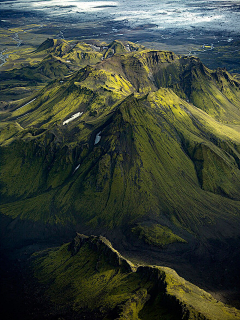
x: 157, y: 158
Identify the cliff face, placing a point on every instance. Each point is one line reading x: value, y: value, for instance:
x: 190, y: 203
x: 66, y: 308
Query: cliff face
x: 89, y: 277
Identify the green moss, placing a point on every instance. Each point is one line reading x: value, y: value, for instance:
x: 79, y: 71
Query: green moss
x: 145, y: 164
x: 8, y: 131
x: 157, y: 235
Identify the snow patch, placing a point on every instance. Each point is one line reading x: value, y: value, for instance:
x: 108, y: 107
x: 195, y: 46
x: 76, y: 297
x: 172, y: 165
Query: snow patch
x: 74, y: 116
x: 26, y: 104
x: 96, y: 48
x: 77, y: 167
x: 98, y: 137
x: 23, y: 115
x: 128, y: 48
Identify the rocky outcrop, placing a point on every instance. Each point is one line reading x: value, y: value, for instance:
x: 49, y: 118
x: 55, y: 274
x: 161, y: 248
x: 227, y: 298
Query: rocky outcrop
x: 101, y: 246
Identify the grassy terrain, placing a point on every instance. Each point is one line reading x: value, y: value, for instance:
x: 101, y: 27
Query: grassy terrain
x: 156, y: 235
x: 88, y: 276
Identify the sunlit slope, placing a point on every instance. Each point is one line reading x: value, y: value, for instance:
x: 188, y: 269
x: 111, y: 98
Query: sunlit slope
x: 90, y: 92
x: 74, y: 53
x: 88, y: 278
x: 159, y: 161
x: 80, y: 54
x: 215, y: 92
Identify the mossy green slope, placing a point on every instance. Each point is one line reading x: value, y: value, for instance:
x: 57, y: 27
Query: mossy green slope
x: 159, y: 158
x: 156, y: 235
x: 89, y: 278
x: 154, y: 162
x: 90, y: 92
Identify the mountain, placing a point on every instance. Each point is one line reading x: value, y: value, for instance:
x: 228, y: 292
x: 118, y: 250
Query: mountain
x: 159, y: 157
x: 138, y: 145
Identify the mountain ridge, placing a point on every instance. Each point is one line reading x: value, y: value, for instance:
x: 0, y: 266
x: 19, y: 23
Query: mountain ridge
x: 152, y: 291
